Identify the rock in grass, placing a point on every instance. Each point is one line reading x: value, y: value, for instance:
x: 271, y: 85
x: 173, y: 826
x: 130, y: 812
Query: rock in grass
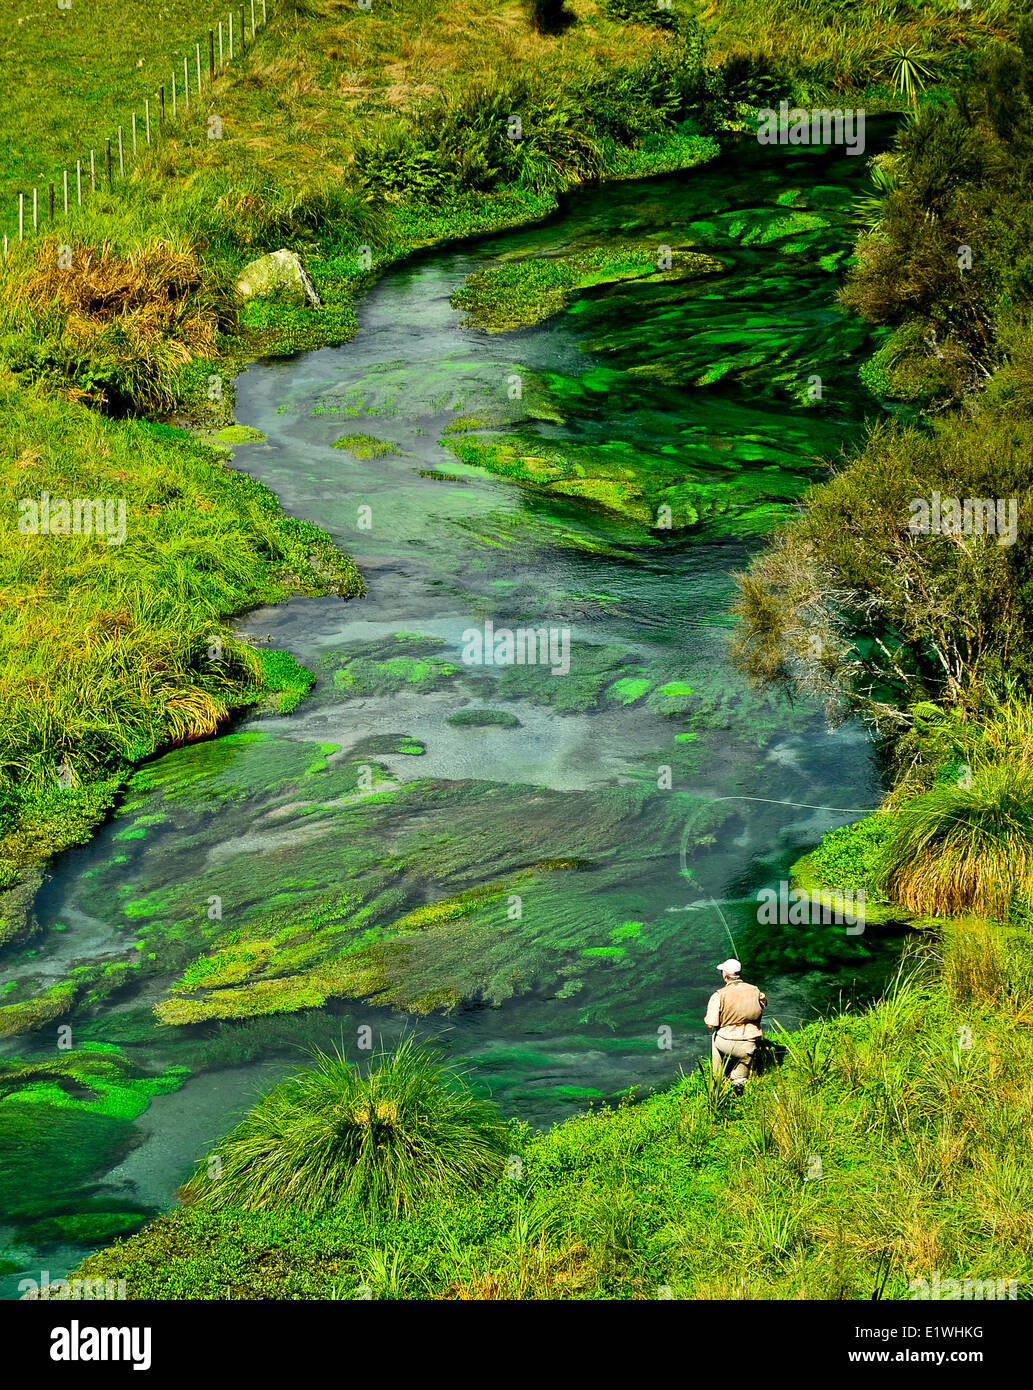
x: 279, y: 275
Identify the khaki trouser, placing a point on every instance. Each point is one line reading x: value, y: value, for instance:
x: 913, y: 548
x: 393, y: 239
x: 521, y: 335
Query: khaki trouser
x: 733, y: 1058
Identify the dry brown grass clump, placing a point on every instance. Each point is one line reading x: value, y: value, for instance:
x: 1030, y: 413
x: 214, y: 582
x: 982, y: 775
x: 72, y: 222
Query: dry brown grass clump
x: 116, y: 326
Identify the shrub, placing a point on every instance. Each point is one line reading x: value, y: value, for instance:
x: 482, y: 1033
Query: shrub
x: 850, y: 605
x: 549, y: 16
x: 330, y: 1136
x: 848, y: 857
x: 956, y: 180
x: 644, y: 11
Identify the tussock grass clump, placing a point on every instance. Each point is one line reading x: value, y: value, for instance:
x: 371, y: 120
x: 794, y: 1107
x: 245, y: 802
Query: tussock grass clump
x: 964, y: 848
x: 405, y: 1131
x: 112, y: 327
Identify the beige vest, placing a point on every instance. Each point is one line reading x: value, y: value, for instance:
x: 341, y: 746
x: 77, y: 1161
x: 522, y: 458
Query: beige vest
x: 741, y: 1004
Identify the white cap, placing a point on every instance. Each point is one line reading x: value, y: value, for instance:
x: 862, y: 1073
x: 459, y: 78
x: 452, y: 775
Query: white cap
x: 730, y: 967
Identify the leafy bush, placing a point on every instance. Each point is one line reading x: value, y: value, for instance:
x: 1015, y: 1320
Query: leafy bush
x: 848, y: 858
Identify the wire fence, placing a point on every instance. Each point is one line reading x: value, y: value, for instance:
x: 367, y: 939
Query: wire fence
x: 228, y: 41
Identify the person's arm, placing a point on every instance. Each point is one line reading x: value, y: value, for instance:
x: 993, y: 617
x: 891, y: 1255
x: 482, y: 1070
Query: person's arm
x: 763, y: 999
x: 712, y: 1018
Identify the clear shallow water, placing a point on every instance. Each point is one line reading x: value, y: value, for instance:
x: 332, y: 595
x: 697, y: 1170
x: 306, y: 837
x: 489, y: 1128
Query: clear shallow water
x: 617, y: 877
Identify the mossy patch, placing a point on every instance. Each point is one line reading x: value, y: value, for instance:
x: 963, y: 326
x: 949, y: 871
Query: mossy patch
x: 63, y: 1121
x: 519, y: 293
x: 483, y: 719
x: 84, y: 1228
x: 380, y: 745
x: 629, y: 689
x: 385, y: 667
x: 238, y: 434
x: 364, y: 446
x: 286, y: 680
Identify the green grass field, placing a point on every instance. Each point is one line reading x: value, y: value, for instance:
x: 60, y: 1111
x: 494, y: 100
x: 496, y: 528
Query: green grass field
x: 69, y: 77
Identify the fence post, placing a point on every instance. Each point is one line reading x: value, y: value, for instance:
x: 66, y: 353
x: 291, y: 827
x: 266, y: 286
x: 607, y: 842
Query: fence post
x: 121, y: 156
x: 186, y: 84
x: 66, y: 192
x: 134, y: 134
x: 173, y: 96
x: 243, y: 34
x: 229, y: 21
x: 35, y: 210
x: 21, y: 216
x: 93, y: 172
x: 161, y: 107
x: 252, y: 21
x: 50, y: 203
x: 211, y: 54
x: 198, y: 47
x: 78, y: 181
x: 147, y: 117
x: 107, y: 162
x: 263, y: 13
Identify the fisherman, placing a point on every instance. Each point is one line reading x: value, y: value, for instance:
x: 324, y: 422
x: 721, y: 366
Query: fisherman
x: 734, y: 1013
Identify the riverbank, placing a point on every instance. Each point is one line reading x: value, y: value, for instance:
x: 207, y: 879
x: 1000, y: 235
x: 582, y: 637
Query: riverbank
x: 880, y: 1158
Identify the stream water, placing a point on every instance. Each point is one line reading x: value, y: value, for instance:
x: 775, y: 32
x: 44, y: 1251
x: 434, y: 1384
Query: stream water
x: 594, y: 850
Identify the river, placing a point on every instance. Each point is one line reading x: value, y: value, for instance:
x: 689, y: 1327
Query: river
x: 594, y: 837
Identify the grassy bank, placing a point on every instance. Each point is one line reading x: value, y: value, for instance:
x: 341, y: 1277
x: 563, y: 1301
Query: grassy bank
x: 111, y: 651
x: 885, y: 1146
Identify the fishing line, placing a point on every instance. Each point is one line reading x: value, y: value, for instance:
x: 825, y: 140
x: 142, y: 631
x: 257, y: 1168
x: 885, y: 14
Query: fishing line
x: 769, y: 801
